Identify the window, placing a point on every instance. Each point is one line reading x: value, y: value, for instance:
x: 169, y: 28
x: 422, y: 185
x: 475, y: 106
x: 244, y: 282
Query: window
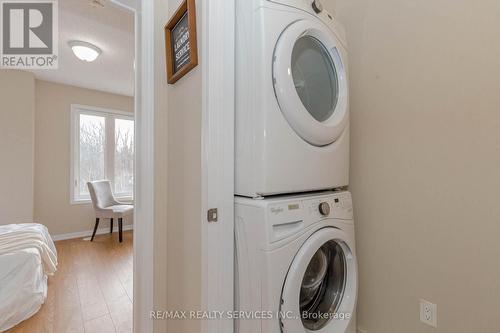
x: 102, y: 148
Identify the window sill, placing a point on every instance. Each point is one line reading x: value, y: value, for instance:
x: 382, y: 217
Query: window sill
x: 124, y: 200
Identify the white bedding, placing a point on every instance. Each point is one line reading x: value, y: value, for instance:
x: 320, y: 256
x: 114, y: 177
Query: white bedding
x: 27, y: 256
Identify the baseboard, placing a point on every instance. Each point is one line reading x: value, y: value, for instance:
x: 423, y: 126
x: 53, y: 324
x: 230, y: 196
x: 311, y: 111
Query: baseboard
x: 88, y: 233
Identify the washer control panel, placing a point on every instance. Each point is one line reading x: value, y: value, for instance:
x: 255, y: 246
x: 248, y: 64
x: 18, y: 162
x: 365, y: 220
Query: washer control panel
x: 288, y: 217
x: 337, y: 206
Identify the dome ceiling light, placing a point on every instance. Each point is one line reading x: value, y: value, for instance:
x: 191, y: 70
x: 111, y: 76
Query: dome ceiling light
x: 85, y: 51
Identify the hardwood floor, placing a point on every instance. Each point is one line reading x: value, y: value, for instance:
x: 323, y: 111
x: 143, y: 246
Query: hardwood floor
x: 91, y: 291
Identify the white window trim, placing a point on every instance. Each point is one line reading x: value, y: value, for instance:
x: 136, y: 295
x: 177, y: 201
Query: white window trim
x: 76, y: 110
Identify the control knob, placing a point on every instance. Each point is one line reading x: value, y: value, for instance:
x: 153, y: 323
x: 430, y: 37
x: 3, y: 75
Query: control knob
x: 317, y: 6
x: 324, y: 208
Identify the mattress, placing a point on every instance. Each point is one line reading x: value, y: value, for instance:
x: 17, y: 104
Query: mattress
x: 23, y: 278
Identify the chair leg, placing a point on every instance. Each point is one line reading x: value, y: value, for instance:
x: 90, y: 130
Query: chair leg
x: 95, y: 229
x: 120, y: 227
x: 111, y: 227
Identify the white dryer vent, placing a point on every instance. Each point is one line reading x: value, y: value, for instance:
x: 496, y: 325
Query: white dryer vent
x: 97, y: 3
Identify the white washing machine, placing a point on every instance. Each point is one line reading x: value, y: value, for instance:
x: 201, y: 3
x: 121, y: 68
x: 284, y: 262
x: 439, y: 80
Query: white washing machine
x: 292, y: 101
x: 296, y: 266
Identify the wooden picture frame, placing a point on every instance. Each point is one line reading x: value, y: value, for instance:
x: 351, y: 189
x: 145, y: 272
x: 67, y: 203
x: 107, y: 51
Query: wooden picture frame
x: 182, y: 50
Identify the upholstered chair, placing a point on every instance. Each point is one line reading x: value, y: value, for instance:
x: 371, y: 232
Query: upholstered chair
x: 107, y: 207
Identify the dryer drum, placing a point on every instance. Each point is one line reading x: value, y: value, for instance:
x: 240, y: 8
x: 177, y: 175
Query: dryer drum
x: 323, y: 286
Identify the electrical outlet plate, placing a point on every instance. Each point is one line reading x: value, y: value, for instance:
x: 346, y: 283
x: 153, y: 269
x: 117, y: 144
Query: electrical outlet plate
x: 362, y: 330
x: 428, y: 313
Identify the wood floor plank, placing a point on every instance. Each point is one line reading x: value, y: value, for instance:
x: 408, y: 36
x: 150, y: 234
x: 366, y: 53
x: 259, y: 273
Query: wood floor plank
x: 91, y: 290
x: 120, y: 310
x: 102, y: 324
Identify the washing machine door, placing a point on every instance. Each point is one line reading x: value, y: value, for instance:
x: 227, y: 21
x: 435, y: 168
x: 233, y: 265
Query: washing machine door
x: 319, y: 292
x: 310, y: 82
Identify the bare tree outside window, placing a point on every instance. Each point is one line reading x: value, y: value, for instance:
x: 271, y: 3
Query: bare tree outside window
x: 124, y: 156
x: 92, y: 145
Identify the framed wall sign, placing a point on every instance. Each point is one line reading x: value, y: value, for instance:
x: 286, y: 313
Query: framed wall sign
x: 180, y: 41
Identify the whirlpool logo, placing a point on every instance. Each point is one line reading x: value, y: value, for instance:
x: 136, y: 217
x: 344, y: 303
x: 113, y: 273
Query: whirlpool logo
x: 276, y: 210
x: 29, y: 34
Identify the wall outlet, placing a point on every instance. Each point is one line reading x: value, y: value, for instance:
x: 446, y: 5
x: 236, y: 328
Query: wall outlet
x: 428, y: 313
x: 362, y: 330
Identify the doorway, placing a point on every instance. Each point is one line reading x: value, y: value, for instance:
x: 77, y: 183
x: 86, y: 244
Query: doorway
x: 84, y: 131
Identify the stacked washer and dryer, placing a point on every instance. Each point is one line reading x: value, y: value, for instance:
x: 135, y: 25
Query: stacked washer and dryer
x: 295, y: 249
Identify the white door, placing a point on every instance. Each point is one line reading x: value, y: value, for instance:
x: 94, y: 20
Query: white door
x: 310, y: 82
x: 319, y: 292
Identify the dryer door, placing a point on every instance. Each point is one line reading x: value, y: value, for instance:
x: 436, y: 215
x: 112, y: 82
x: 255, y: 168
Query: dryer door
x: 310, y: 82
x: 319, y: 292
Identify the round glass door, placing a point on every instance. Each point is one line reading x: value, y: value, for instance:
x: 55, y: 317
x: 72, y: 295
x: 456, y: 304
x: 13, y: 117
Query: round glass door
x: 323, y: 286
x: 310, y: 82
x: 319, y: 291
x: 315, y: 77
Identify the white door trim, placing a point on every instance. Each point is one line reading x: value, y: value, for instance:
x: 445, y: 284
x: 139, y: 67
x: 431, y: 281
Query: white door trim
x: 217, y: 60
x: 144, y: 191
x: 144, y: 166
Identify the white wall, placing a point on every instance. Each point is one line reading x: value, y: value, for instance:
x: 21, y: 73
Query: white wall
x: 184, y: 192
x: 52, y: 154
x: 425, y: 161
x: 17, y: 107
x: 178, y: 185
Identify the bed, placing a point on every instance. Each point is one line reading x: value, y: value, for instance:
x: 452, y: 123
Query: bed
x: 27, y: 257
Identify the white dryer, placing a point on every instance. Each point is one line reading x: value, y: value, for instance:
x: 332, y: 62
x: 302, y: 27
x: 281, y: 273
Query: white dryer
x: 296, y: 266
x: 292, y: 100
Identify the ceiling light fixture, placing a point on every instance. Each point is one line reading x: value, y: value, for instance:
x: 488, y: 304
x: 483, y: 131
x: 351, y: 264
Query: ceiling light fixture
x: 84, y: 51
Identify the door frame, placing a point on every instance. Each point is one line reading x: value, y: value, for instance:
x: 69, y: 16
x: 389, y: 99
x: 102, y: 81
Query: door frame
x: 217, y: 257
x: 218, y: 100
x: 143, y: 301
x: 145, y: 85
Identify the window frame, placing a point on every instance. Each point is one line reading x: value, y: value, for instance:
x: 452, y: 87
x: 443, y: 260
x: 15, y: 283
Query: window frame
x: 76, y: 111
